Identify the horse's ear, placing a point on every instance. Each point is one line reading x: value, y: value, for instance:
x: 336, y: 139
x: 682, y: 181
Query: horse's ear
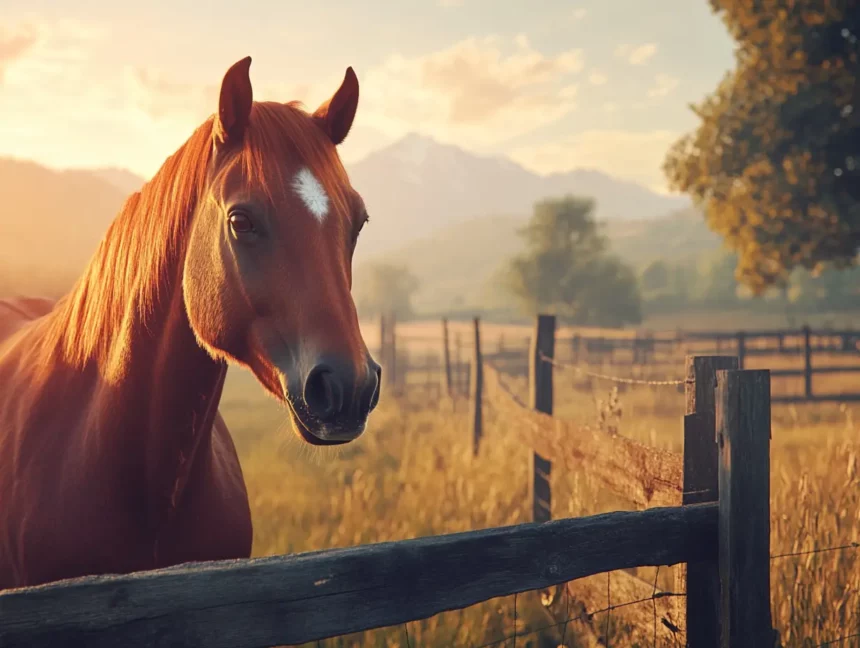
x: 335, y: 115
x: 234, y: 104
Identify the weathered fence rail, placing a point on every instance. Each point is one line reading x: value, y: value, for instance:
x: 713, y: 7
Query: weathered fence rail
x: 294, y: 599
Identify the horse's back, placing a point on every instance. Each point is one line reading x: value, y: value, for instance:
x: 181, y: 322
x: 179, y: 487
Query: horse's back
x: 17, y: 312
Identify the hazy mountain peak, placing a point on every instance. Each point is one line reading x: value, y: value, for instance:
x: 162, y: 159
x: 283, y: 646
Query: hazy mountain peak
x: 417, y: 186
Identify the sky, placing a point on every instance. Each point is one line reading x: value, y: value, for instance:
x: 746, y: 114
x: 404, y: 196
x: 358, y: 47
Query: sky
x: 554, y: 85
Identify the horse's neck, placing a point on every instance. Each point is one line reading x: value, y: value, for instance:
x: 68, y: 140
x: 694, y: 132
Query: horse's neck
x: 183, y: 388
x: 160, y: 389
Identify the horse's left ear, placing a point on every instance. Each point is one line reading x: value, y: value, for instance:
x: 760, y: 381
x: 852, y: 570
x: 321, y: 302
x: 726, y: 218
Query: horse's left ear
x: 335, y: 115
x: 234, y: 104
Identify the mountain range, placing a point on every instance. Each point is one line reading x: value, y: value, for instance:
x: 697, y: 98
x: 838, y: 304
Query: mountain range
x: 417, y: 186
x: 450, y: 215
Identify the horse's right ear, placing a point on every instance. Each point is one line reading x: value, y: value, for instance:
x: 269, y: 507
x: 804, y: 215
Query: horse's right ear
x: 234, y: 104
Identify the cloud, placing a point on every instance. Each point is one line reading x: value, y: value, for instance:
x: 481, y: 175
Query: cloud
x: 631, y: 155
x: 636, y: 55
x: 664, y: 84
x: 578, y: 14
x: 14, y: 43
x: 477, y: 92
x: 450, y: 3
x: 597, y: 78
x: 162, y: 97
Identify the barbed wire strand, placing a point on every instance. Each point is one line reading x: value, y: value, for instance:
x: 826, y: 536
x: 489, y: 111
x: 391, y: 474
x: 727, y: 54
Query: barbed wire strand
x: 581, y: 618
x: 601, y: 376
x: 656, y: 575
x: 608, y: 605
x: 850, y: 545
x: 566, y: 613
x: 839, y: 640
x: 515, y: 620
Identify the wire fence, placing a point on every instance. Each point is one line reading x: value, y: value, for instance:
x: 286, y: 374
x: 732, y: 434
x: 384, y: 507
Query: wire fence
x: 601, y: 376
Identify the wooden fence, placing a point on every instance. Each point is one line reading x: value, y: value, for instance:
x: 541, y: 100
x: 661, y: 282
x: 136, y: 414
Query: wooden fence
x: 707, y: 508
x: 424, y: 359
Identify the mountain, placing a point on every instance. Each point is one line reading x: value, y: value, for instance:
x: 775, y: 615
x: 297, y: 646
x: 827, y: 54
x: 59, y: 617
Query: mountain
x: 50, y: 225
x: 457, y: 267
x: 122, y: 179
x: 678, y: 237
x: 417, y: 186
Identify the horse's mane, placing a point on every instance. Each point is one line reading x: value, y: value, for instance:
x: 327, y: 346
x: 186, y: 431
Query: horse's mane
x: 136, y: 261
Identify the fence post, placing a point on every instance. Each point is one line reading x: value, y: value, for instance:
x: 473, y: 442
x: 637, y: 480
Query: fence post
x: 807, y: 362
x: 383, y: 350
x: 393, y: 373
x: 742, y: 349
x: 541, y: 392
x: 701, y: 580
x: 477, y: 390
x: 743, y: 437
x: 458, y: 360
x: 446, y: 358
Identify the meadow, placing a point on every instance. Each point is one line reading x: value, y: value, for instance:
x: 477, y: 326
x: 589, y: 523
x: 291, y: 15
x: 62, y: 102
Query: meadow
x: 412, y: 474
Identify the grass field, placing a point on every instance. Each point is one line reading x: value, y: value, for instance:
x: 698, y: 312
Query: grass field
x: 412, y: 475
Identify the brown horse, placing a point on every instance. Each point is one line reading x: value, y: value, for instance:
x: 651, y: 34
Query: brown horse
x: 113, y: 456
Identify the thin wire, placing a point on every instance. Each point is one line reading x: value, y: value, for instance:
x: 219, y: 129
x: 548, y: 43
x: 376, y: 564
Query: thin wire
x: 566, y: 613
x: 580, y: 618
x: 840, y: 639
x: 656, y: 575
x: 515, y: 620
x: 608, y: 605
x: 617, y: 379
x: 850, y: 545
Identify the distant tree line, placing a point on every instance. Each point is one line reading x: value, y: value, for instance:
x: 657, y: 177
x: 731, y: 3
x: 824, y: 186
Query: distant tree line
x: 567, y: 268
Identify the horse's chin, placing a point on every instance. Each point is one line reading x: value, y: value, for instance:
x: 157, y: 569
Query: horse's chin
x: 306, y: 435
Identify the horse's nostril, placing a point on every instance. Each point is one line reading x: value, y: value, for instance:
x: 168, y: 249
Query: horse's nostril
x: 371, y: 397
x: 323, y: 393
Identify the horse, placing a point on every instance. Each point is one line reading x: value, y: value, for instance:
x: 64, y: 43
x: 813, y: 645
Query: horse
x: 113, y: 455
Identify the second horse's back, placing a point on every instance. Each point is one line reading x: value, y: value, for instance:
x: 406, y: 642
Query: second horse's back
x: 16, y: 312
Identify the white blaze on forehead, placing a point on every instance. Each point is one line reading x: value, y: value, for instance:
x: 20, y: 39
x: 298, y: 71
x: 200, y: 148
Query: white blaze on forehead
x: 312, y: 193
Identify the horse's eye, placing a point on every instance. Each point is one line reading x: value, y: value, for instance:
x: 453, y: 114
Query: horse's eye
x: 240, y: 223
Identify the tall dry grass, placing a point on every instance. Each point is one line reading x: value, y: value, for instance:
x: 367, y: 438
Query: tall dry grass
x: 412, y: 475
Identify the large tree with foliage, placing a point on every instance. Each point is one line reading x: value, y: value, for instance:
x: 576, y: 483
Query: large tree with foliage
x: 566, y: 268
x: 776, y: 158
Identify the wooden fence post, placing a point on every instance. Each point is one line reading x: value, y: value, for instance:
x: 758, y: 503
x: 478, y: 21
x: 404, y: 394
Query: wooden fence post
x: 446, y: 358
x: 458, y: 361
x: 541, y: 392
x: 383, y: 348
x: 807, y: 362
x: 743, y: 437
x: 742, y: 349
x: 701, y: 580
x: 393, y: 372
x: 477, y: 390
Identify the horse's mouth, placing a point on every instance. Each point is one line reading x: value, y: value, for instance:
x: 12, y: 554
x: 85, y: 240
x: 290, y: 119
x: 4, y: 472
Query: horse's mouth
x: 305, y: 434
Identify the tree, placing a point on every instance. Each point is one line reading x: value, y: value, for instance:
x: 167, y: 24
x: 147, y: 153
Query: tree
x: 655, y: 277
x: 383, y: 288
x: 566, y: 269
x: 776, y: 158
x: 718, y: 285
